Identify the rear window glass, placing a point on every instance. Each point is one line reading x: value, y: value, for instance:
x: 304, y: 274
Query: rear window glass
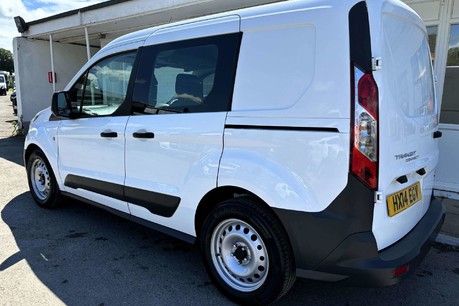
x: 408, y: 63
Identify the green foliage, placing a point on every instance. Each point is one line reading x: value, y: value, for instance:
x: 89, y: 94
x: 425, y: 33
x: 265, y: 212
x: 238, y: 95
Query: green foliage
x: 17, y: 131
x: 6, y: 60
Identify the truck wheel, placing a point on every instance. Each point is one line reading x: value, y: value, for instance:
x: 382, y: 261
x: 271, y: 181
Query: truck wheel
x: 247, y: 253
x: 42, y: 182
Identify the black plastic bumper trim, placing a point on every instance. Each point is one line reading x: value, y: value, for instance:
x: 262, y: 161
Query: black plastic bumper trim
x: 356, y: 260
x: 314, y: 236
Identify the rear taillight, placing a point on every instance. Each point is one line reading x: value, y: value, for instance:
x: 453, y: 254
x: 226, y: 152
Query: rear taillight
x: 364, y: 158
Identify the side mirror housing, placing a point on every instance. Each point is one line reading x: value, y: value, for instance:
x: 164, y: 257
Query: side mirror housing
x: 61, y: 107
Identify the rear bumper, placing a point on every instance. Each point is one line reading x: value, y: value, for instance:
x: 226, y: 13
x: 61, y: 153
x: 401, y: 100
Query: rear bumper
x: 338, y: 244
x: 356, y: 260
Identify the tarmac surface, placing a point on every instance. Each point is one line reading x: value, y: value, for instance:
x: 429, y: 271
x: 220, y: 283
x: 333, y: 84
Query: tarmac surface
x: 81, y: 255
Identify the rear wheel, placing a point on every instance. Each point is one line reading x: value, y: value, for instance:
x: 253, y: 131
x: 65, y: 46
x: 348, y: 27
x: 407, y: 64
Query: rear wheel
x: 246, y: 252
x: 42, y: 182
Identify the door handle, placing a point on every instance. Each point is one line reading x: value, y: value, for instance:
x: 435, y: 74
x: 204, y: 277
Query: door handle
x: 109, y: 134
x: 437, y: 134
x: 144, y: 135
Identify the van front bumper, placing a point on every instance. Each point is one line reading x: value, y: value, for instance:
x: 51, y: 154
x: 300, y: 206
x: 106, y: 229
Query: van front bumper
x: 338, y: 245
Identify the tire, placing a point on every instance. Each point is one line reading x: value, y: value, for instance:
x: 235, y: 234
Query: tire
x: 42, y: 182
x: 247, y: 253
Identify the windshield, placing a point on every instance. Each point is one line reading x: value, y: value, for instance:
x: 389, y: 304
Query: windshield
x: 2, y: 79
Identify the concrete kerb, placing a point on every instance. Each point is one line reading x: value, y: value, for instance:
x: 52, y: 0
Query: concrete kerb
x: 446, y: 239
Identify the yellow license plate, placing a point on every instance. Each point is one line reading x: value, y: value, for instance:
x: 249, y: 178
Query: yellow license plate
x: 401, y: 200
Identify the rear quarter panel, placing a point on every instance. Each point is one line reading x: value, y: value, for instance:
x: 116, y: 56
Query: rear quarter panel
x: 293, y: 71
x: 296, y: 170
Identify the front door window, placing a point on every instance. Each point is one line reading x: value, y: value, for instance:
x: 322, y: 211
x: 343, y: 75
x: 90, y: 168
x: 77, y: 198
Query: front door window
x: 102, y: 89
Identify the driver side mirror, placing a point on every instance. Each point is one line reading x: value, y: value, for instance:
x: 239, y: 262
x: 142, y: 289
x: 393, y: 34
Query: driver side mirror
x: 61, y: 106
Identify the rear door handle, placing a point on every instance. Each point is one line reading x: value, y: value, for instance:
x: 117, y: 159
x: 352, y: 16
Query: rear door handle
x: 437, y: 134
x: 144, y: 135
x: 109, y: 134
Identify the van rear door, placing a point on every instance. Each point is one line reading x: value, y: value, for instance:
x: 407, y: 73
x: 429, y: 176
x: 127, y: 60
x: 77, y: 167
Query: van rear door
x: 408, y: 119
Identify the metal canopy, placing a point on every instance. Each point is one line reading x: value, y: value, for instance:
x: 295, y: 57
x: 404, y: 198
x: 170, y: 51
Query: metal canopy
x: 111, y: 19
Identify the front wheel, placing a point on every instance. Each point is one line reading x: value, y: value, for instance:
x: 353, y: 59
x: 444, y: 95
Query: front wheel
x: 247, y: 253
x: 42, y: 182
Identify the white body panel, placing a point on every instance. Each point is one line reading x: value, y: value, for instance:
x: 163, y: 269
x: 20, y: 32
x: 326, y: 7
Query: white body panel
x: 200, y: 28
x: 83, y: 152
x: 286, y: 82
x: 294, y: 170
x: 182, y: 161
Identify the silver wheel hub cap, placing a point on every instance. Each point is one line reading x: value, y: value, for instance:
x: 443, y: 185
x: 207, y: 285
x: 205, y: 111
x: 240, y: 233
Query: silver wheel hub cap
x: 40, y: 179
x: 239, y: 255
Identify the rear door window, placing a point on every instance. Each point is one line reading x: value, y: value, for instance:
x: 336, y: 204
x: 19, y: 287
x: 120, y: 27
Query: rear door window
x: 190, y: 76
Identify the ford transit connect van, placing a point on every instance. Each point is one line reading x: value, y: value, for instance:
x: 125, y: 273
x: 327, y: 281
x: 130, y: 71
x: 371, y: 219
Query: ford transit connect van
x: 291, y: 139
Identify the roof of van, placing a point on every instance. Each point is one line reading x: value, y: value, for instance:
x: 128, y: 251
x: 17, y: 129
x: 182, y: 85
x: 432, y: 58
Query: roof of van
x: 266, y: 9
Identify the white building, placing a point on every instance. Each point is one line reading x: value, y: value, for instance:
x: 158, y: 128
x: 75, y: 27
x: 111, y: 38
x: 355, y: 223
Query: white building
x: 59, y: 45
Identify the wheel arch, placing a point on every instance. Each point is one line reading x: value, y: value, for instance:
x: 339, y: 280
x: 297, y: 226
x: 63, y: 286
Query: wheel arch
x: 28, y: 151
x: 50, y: 157
x: 221, y: 194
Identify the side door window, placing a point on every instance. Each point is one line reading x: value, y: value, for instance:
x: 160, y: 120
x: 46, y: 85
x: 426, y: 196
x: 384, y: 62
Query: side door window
x: 102, y: 89
x: 192, y: 76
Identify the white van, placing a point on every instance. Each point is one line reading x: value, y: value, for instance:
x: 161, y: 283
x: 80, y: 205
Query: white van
x: 291, y: 139
x: 3, y: 85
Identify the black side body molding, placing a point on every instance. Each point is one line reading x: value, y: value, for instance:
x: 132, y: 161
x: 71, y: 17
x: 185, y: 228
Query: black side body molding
x: 157, y: 203
x: 107, y: 189
x: 282, y: 128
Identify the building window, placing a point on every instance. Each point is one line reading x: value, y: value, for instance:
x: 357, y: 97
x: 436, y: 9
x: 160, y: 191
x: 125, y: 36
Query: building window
x: 450, y: 101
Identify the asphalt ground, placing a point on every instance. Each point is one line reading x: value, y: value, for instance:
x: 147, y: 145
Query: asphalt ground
x: 82, y: 255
